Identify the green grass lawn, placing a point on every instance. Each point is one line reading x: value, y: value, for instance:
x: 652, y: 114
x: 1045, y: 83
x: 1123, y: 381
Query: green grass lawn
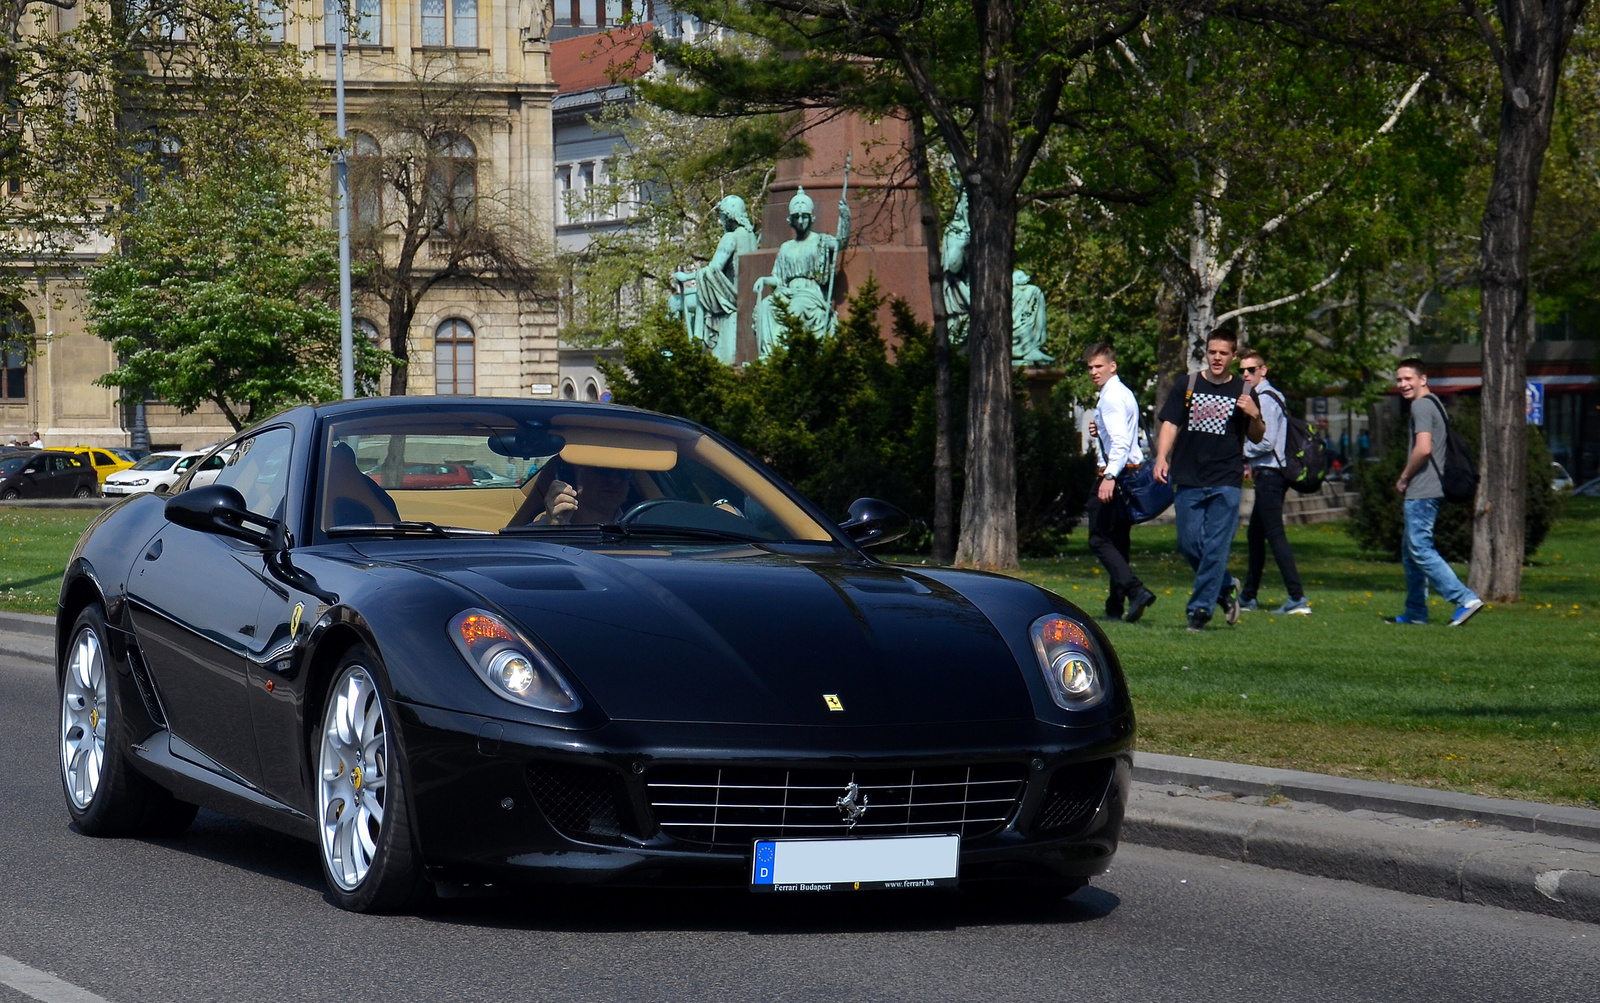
x: 34, y: 546
x: 1508, y: 705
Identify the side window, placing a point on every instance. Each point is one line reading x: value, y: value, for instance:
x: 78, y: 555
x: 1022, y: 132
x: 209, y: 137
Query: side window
x: 54, y: 464
x: 103, y: 459
x: 184, y: 464
x: 259, y: 470
x: 214, y: 463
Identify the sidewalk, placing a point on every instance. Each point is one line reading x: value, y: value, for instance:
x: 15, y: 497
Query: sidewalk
x: 1512, y: 854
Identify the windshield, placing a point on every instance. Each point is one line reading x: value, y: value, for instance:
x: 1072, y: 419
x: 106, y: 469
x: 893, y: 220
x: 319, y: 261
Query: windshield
x: 156, y: 461
x: 12, y: 465
x: 534, y: 470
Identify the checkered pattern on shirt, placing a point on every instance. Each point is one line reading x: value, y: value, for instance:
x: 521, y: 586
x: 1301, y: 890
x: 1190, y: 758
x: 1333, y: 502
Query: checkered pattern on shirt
x: 1210, y: 413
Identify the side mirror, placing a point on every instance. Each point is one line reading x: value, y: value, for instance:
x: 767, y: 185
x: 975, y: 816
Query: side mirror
x: 220, y: 509
x: 874, y: 522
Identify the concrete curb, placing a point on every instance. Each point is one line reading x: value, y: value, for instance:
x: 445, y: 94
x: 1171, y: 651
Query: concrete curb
x: 1553, y: 875
x: 1349, y: 795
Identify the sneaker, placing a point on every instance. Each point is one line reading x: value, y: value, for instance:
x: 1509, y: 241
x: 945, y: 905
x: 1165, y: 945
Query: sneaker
x: 1301, y: 606
x: 1248, y: 606
x: 1405, y: 621
x: 1141, y: 602
x: 1197, y: 622
x: 1465, y: 611
x: 1229, y: 601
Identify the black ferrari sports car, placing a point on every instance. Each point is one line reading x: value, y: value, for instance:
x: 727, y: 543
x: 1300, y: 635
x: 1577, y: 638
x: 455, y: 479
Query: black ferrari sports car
x: 632, y: 655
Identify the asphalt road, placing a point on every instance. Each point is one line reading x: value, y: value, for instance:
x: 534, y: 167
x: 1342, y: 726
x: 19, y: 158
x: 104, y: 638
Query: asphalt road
x: 233, y: 912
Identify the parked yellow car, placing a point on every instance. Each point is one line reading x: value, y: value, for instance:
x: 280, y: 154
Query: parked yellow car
x: 104, y: 461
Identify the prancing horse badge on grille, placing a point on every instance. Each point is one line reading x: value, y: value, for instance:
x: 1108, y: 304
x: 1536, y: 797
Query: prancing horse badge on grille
x: 853, y: 805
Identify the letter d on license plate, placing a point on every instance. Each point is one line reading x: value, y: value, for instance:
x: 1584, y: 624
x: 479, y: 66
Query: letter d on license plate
x: 822, y: 865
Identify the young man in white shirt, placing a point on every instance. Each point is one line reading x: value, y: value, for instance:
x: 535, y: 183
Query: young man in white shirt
x: 1266, y: 470
x: 1115, y: 428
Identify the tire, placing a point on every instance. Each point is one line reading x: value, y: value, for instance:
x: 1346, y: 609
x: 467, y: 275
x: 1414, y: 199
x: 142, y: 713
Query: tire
x: 161, y: 489
x: 105, y: 795
x: 370, y: 858
x: 84, y: 491
x: 11, y: 494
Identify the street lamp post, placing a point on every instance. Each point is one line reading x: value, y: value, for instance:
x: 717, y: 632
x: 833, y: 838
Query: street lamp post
x: 347, y: 369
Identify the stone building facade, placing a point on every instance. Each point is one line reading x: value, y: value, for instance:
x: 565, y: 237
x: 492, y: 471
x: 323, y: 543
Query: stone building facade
x: 484, y: 340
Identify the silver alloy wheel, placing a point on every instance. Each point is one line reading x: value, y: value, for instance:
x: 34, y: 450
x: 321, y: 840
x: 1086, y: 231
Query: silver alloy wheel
x: 353, y: 773
x: 83, y: 718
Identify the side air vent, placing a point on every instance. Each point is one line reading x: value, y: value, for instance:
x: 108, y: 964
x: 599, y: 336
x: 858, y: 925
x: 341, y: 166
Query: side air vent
x: 147, y: 687
x: 584, y: 803
x: 1074, y: 794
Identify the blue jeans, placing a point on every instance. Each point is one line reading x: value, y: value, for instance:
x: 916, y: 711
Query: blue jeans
x: 1207, y: 519
x: 1423, y: 564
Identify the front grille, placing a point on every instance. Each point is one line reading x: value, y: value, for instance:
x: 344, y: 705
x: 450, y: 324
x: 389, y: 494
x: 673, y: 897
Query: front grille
x: 580, y: 801
x: 732, y: 806
x: 1074, y: 794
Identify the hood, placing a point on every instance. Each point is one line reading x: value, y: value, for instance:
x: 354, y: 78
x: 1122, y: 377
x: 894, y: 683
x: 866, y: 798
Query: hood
x: 751, y: 635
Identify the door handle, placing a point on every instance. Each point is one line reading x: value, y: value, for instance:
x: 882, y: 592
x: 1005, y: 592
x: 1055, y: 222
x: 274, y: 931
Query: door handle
x: 154, y: 551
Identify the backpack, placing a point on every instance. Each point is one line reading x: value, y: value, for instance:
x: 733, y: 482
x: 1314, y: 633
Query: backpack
x: 1459, y: 478
x: 1306, y: 461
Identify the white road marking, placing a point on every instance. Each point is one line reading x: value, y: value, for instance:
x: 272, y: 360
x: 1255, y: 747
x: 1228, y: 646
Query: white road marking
x: 42, y: 986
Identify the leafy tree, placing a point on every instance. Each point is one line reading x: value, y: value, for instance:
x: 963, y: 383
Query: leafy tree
x: 218, y: 295
x: 996, y: 80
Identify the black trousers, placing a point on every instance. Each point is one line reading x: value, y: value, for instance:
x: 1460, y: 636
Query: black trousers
x: 1266, y: 527
x: 1108, y: 538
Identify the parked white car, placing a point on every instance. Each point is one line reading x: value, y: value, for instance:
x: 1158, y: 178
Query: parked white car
x: 158, y: 472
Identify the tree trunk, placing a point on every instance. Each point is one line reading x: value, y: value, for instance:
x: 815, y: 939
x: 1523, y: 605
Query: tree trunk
x: 1535, y: 37
x: 1171, y: 344
x: 400, y: 314
x: 944, y: 540
x: 989, y: 507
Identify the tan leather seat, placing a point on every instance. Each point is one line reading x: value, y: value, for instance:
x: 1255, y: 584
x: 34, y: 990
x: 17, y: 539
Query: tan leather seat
x: 351, y: 498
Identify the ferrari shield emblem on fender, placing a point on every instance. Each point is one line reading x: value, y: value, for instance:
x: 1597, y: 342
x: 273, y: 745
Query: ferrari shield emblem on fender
x: 833, y: 701
x: 294, y: 618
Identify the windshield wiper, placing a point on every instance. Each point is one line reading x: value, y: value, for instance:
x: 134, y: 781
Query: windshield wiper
x: 405, y: 529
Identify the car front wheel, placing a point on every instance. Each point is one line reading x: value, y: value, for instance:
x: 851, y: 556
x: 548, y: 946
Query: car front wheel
x: 84, y: 491
x: 105, y: 795
x: 369, y: 854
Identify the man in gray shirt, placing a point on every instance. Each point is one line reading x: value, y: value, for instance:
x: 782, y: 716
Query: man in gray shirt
x: 1419, y: 483
x: 1265, y: 459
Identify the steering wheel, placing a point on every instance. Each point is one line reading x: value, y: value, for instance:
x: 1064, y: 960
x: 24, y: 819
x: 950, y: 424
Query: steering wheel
x: 685, y: 514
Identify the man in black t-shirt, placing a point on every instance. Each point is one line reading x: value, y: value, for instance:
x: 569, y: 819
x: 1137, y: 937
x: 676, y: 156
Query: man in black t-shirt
x: 1200, y: 450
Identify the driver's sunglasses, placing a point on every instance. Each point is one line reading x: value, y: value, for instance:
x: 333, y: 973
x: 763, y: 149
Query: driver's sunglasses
x: 1248, y: 369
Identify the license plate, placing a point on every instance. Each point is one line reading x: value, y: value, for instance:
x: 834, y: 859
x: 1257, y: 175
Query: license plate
x: 825, y: 865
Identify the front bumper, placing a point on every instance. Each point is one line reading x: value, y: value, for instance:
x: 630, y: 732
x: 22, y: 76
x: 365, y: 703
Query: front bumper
x: 483, y: 815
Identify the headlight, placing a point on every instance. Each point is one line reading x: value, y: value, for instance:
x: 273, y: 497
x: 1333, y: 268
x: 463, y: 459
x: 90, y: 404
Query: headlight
x: 509, y: 663
x: 1067, y: 659
x: 137, y: 482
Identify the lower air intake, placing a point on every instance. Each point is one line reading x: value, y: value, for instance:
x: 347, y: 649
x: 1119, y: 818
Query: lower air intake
x: 1074, y: 794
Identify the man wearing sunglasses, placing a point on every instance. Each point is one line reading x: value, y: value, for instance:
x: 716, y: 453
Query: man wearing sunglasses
x: 1266, y: 518
x: 594, y: 496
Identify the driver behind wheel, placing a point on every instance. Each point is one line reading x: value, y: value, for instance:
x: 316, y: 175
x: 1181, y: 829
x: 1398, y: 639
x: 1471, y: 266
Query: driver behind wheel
x: 595, y: 495
x: 566, y: 493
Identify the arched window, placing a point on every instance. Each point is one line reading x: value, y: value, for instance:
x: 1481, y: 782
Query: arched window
x: 569, y: 390
x: 591, y: 390
x: 16, y: 337
x: 453, y: 358
x: 366, y: 181
x: 453, y: 182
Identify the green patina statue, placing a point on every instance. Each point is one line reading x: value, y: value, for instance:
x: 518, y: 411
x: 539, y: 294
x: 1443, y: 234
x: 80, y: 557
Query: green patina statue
x: 957, y: 293
x: 1027, y: 322
x: 710, y: 309
x: 803, y: 269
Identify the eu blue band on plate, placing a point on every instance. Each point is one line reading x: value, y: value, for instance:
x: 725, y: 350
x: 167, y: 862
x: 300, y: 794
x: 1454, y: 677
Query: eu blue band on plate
x: 765, y: 851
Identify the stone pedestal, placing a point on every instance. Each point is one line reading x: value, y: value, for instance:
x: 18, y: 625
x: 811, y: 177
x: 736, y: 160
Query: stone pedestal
x: 885, y: 219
